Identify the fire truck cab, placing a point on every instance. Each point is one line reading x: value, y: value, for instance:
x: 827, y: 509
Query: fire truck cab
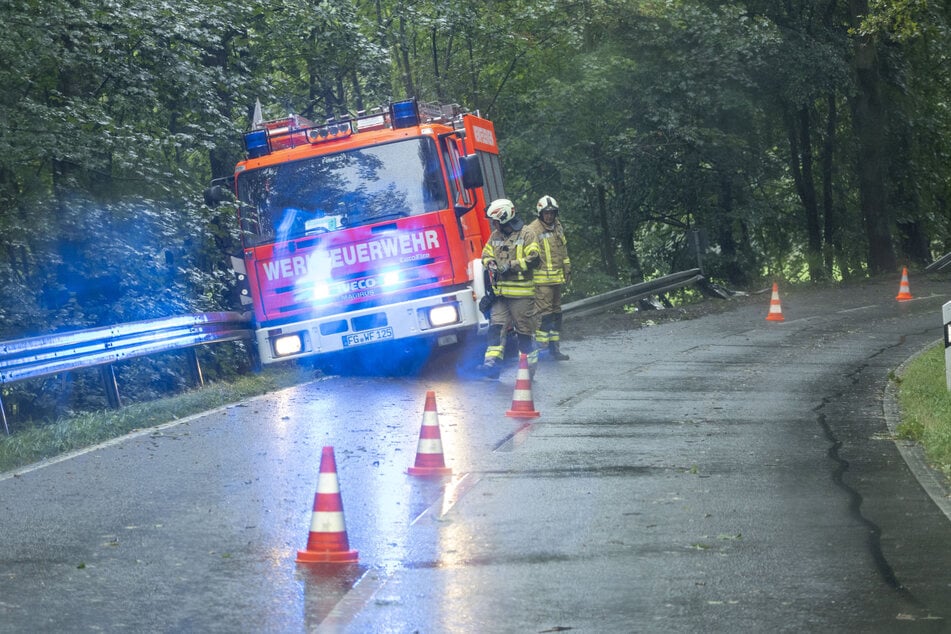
x: 366, y: 230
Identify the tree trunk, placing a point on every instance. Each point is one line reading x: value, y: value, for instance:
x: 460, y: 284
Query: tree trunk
x: 868, y: 122
x: 403, y: 59
x: 733, y: 270
x: 830, y: 229
x: 625, y: 211
x: 607, y: 251
x: 798, y: 129
x: 437, y: 75
x: 221, y: 160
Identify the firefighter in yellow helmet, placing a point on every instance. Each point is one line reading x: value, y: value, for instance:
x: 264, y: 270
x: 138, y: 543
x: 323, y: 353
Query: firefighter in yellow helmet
x: 509, y: 255
x: 551, y: 275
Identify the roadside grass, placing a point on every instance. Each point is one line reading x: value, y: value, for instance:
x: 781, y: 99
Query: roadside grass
x: 34, y: 442
x: 926, y: 406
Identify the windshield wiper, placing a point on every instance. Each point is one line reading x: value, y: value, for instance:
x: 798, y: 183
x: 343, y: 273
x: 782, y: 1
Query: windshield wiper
x: 390, y: 216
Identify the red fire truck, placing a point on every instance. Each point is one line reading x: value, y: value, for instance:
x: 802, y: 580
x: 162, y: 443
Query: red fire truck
x: 365, y: 233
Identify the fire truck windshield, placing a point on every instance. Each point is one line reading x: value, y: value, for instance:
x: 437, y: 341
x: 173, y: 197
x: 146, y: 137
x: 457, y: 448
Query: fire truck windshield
x: 336, y: 191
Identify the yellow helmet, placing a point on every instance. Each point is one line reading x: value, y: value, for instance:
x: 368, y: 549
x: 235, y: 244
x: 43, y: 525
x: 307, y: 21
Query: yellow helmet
x: 546, y: 203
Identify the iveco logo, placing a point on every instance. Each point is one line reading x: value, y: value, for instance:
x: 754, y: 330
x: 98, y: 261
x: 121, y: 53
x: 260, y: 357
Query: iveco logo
x: 368, y: 283
x: 356, y: 285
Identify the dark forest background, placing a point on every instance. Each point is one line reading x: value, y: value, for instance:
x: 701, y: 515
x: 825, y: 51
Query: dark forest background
x: 803, y: 140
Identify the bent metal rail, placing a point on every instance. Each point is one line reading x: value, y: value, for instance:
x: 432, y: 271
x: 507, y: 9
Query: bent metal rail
x: 628, y: 294
x: 46, y: 355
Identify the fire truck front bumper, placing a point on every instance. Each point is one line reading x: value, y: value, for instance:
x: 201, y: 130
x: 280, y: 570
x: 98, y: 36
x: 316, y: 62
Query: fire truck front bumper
x: 441, y: 318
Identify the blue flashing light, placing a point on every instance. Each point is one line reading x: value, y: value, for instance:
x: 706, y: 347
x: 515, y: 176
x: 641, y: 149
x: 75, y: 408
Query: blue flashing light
x: 256, y: 143
x: 404, y: 114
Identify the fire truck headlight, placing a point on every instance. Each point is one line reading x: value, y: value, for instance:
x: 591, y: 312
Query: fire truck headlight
x: 287, y: 344
x: 391, y: 278
x: 321, y: 291
x: 444, y: 315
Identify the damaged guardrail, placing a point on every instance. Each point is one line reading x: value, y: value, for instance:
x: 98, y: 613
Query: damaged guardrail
x: 628, y: 294
x: 45, y: 355
x: 940, y: 263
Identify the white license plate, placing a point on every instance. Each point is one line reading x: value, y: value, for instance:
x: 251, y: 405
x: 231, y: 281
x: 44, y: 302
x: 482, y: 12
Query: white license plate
x: 369, y: 336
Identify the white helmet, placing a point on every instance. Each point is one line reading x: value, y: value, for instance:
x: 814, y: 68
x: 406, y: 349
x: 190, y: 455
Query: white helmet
x: 501, y: 210
x: 546, y: 203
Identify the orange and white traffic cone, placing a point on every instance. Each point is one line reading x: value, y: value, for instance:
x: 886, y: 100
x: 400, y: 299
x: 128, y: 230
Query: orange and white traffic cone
x: 775, y: 309
x: 429, y: 456
x: 522, y: 404
x: 327, y: 541
x: 904, y: 292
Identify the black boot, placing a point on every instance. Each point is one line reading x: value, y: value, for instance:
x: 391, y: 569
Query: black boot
x: 554, y: 351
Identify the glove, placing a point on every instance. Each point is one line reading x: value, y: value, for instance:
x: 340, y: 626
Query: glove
x: 567, y: 276
x: 502, y: 268
x: 485, y: 305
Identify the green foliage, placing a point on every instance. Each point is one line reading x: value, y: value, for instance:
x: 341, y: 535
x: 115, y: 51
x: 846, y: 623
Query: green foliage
x: 794, y: 139
x: 107, y: 117
x: 901, y: 19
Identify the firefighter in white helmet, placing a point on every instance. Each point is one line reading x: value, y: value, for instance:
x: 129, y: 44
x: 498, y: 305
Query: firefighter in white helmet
x: 551, y: 275
x: 510, y: 255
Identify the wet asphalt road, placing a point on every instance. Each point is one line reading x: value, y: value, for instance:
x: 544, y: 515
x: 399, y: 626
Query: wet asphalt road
x: 725, y: 474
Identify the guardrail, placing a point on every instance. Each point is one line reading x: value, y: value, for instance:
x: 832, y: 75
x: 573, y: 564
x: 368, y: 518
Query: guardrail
x: 46, y: 355
x: 628, y: 294
x: 940, y: 263
x: 36, y: 357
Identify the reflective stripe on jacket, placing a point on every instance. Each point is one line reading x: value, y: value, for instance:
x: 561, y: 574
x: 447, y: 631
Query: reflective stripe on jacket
x: 517, y: 253
x: 553, y: 262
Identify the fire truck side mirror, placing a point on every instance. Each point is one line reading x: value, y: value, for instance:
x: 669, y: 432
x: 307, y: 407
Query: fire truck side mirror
x: 471, y: 172
x: 216, y: 194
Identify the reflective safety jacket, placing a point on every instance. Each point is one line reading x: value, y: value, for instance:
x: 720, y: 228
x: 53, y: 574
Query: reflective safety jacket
x: 553, y: 263
x: 516, y: 254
